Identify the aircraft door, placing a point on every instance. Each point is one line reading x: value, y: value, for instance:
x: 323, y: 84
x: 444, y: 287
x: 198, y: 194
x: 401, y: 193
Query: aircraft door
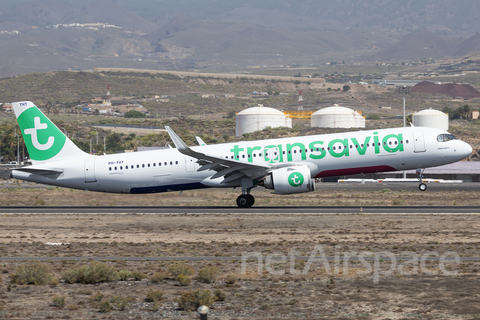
x: 190, y: 164
x: 418, y: 141
x: 90, y: 171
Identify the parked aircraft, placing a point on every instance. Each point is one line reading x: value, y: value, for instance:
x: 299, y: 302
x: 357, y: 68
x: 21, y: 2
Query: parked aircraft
x: 286, y: 165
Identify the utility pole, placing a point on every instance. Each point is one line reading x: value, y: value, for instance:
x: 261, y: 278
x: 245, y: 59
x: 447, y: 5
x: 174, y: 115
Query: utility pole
x: 404, y: 90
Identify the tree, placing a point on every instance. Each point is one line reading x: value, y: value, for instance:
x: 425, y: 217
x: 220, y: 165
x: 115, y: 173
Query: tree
x: 346, y: 88
x: 134, y: 114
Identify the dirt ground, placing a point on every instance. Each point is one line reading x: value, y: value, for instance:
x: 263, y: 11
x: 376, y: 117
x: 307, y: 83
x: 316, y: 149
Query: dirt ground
x: 281, y: 285
x: 326, y: 194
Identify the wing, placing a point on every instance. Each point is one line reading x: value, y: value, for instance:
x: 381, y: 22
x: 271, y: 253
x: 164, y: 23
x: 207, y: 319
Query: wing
x: 231, y: 170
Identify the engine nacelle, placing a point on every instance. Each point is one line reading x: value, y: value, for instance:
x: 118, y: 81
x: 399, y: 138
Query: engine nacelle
x: 290, y: 180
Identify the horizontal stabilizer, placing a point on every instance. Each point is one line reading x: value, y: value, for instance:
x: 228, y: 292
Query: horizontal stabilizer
x: 39, y: 171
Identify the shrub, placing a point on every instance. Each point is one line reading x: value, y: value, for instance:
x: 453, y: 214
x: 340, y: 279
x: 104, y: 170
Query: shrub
x: 59, y: 301
x: 121, y: 302
x: 105, y: 307
x: 231, y: 279
x: 138, y: 276
x: 158, y: 277
x: 207, y: 275
x: 95, y: 272
x: 193, y: 300
x: 34, y: 273
x: 124, y: 275
x: 53, y: 282
x: 220, y: 295
x: 184, y: 280
x: 154, y: 295
x: 97, y: 297
x: 180, y: 268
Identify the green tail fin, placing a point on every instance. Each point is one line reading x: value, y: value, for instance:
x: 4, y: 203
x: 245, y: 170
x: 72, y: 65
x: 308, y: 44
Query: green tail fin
x: 43, y: 139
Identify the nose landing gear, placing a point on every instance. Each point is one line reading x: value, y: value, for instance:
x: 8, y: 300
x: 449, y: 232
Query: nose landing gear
x: 422, y: 186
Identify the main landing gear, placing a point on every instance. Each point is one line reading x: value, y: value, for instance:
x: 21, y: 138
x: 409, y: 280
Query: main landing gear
x: 422, y: 186
x: 245, y: 200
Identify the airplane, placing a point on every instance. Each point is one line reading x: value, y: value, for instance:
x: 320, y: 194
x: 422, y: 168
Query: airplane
x: 284, y: 165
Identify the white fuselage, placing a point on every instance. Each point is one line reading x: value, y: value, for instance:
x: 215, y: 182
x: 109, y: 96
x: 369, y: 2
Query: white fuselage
x: 326, y: 155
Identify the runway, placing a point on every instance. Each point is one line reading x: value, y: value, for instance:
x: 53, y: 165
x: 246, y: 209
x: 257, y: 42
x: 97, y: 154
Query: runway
x: 224, y: 210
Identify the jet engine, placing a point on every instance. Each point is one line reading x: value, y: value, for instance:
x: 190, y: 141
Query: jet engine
x: 290, y: 180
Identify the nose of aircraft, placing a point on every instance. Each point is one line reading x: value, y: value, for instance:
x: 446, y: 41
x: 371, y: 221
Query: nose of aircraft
x: 464, y: 149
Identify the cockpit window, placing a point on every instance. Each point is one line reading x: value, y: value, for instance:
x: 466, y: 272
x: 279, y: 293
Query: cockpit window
x: 445, y: 137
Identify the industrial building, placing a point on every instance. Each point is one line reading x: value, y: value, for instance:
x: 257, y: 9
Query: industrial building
x: 259, y: 118
x: 337, y: 117
x: 430, y: 118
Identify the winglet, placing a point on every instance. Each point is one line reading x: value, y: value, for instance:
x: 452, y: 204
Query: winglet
x: 200, y: 141
x: 181, y: 146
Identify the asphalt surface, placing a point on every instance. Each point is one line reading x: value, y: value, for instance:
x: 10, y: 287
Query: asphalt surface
x: 402, y: 210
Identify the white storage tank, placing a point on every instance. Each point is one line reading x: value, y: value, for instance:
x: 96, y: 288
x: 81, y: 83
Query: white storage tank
x: 337, y: 117
x: 258, y: 118
x: 431, y: 118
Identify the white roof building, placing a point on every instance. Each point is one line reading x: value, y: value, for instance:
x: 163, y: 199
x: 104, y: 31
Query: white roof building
x: 337, y: 117
x: 258, y: 118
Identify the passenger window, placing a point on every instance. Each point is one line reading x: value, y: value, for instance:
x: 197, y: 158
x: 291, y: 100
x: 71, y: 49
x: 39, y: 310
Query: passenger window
x: 154, y: 164
x: 143, y: 165
x: 165, y: 163
x: 148, y: 165
x: 176, y: 162
x: 159, y: 164
x: 171, y: 162
x: 121, y: 167
x: 138, y: 166
x: 115, y: 168
x: 110, y: 169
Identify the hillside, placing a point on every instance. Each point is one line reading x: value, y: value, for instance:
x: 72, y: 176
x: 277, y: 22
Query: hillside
x: 441, y: 16
x: 229, y: 35
x: 423, y: 44
x: 50, y: 12
x: 245, y: 44
x: 469, y: 45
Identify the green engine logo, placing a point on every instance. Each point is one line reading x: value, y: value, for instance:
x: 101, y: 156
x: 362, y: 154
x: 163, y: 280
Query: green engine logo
x: 295, y: 179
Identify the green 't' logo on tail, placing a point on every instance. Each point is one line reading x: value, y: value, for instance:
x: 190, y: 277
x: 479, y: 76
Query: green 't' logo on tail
x: 295, y: 179
x: 42, y: 138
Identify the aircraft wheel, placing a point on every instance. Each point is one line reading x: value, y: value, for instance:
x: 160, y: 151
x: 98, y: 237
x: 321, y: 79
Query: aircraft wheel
x: 244, y: 201
x: 422, y: 187
x: 252, y: 199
